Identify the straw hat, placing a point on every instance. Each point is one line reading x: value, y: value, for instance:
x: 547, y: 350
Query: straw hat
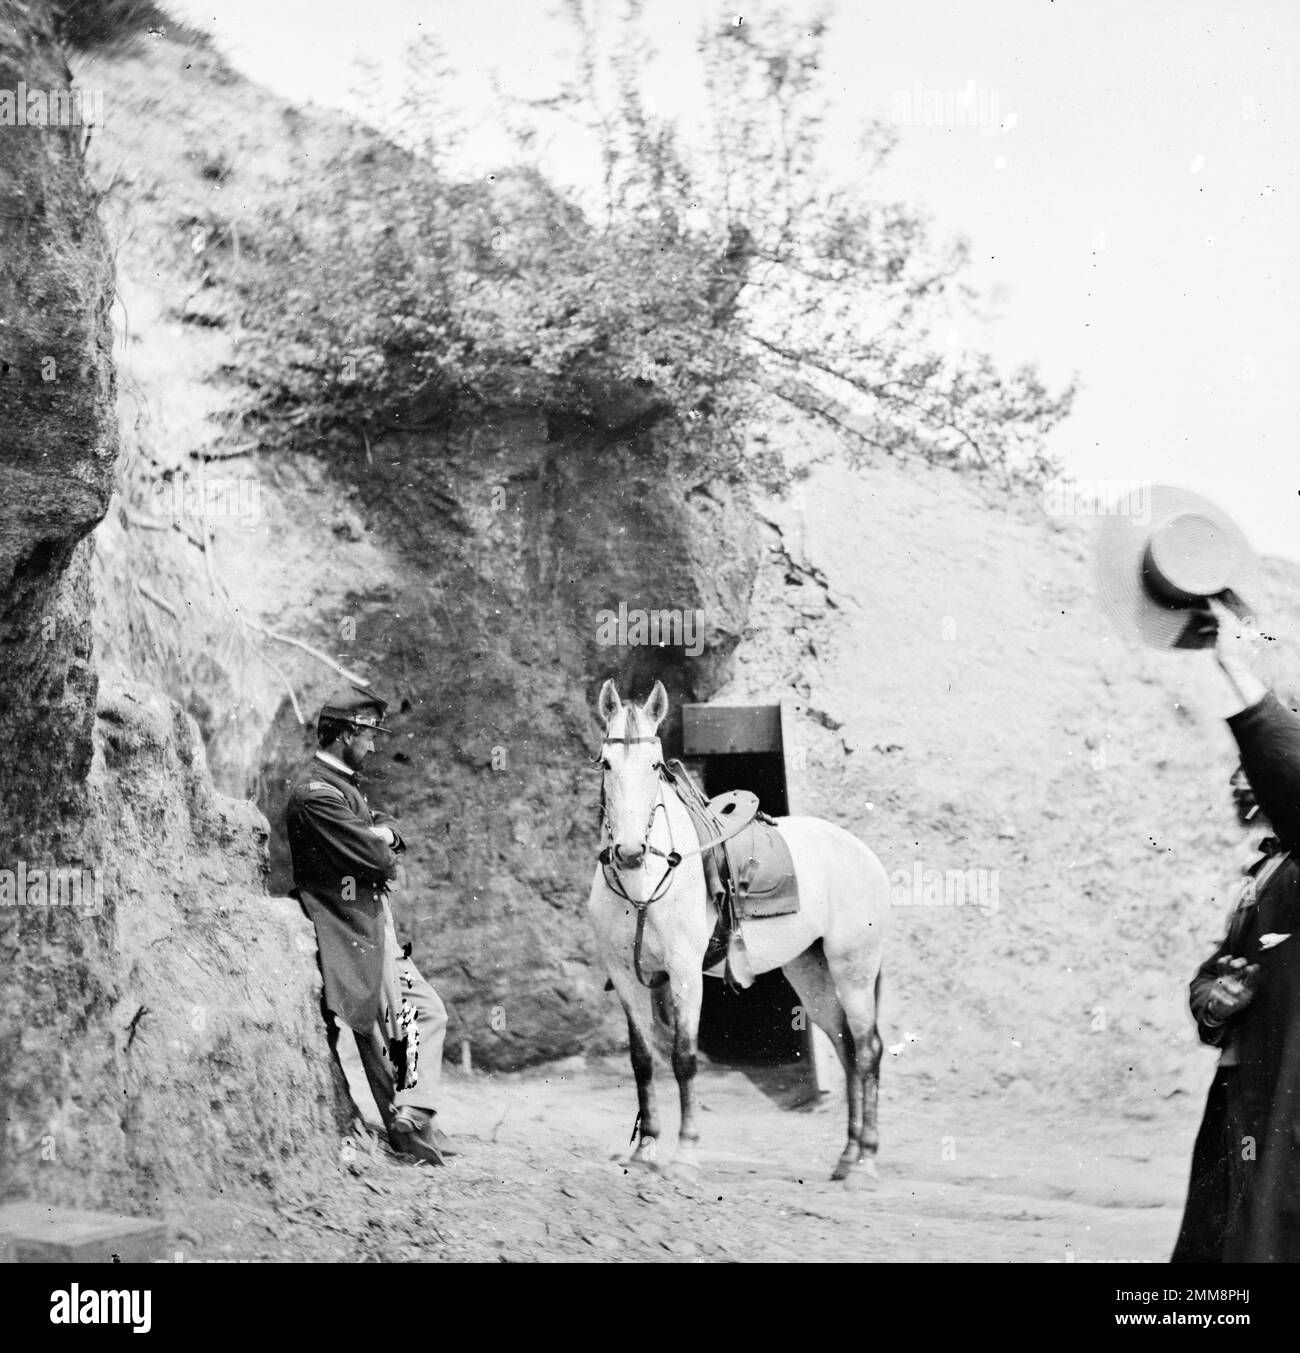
x: 1154, y: 570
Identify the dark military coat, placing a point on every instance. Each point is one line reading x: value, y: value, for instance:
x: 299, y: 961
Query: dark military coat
x: 341, y: 873
x: 1243, y: 1205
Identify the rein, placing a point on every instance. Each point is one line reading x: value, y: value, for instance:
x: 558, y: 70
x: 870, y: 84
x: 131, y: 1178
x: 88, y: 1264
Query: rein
x: 697, y: 807
x: 671, y: 858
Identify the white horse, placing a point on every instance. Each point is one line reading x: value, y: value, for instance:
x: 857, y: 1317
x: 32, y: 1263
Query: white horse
x: 830, y: 950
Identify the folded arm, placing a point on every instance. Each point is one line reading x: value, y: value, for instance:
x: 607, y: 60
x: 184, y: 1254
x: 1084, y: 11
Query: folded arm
x: 343, y: 841
x: 386, y: 824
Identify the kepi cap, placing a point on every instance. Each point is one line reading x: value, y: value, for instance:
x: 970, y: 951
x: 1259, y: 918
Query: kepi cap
x: 356, y: 706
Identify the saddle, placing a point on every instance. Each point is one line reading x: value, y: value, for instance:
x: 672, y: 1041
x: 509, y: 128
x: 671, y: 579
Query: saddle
x: 747, y: 869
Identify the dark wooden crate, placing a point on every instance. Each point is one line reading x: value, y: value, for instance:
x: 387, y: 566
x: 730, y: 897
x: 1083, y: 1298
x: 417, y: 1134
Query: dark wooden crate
x: 717, y: 730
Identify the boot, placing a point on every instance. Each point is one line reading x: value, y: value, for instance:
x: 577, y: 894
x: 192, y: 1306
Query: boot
x: 412, y: 1133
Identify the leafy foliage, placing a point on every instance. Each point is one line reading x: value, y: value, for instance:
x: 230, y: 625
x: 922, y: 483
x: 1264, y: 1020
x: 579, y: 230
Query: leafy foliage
x: 711, y: 287
x: 104, y: 25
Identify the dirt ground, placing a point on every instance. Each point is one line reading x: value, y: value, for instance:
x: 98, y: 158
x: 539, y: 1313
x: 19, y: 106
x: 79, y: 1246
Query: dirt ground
x: 543, y: 1178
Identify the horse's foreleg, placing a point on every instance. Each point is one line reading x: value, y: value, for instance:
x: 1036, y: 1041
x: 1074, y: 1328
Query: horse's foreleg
x: 687, y: 999
x: 643, y: 1068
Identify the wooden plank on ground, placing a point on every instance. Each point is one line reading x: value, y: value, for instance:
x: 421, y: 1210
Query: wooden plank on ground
x: 38, y: 1233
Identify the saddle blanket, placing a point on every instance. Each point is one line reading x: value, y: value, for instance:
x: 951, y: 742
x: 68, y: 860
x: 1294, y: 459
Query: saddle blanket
x: 757, y: 855
x: 749, y: 875
x: 765, y: 872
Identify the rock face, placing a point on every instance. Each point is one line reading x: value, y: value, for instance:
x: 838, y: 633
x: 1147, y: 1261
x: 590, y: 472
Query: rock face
x: 465, y: 570
x: 58, y: 441
x: 1050, y: 801
x: 164, y: 1033
x: 57, y: 451
x: 157, y: 1018
x: 215, y: 1027
x: 963, y: 707
x: 505, y: 550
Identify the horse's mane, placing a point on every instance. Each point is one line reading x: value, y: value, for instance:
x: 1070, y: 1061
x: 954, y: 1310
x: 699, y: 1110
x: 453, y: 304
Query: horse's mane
x: 635, y: 727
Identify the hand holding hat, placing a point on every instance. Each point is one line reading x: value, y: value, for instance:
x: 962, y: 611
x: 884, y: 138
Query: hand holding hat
x: 1238, y: 640
x: 1238, y: 643
x: 1157, y: 570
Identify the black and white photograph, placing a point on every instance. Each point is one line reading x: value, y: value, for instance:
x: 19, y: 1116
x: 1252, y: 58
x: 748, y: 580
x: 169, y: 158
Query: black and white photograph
x: 650, y: 632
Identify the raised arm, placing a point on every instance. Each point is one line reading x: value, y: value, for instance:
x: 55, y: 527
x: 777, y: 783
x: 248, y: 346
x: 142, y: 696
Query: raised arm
x: 1267, y: 733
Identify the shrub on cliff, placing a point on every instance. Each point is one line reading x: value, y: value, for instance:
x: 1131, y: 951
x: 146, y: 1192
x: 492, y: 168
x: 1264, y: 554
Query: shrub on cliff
x: 712, y: 286
x: 391, y: 298
x: 103, y: 25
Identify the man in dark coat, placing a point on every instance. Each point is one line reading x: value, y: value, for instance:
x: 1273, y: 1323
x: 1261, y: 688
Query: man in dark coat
x: 344, y: 856
x: 1243, y: 1202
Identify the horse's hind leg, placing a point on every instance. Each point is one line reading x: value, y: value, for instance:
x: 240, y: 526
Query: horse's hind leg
x: 850, y: 1023
x: 863, y: 1044
x: 810, y: 976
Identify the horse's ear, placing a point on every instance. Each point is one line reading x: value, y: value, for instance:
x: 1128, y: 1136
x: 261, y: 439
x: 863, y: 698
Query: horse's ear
x: 656, y: 708
x: 609, y: 703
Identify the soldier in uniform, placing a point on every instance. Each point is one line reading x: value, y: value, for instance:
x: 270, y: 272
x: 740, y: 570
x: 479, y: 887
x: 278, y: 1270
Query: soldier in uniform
x: 344, y: 856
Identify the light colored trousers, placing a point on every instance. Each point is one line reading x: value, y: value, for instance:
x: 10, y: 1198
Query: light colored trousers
x: 431, y: 1021
x: 402, y: 982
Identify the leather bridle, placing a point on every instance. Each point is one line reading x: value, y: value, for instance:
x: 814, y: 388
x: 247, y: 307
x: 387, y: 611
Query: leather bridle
x: 609, y: 862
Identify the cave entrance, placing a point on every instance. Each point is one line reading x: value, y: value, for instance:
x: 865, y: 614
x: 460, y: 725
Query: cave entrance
x: 741, y: 747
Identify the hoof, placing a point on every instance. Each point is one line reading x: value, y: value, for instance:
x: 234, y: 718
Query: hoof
x: 861, y: 1181
x: 646, y: 1155
x: 858, y: 1174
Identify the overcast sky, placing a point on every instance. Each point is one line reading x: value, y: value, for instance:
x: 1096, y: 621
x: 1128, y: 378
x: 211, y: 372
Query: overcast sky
x: 1131, y: 199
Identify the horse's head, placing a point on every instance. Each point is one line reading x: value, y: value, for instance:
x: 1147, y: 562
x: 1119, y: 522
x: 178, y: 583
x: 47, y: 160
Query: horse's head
x: 630, y: 759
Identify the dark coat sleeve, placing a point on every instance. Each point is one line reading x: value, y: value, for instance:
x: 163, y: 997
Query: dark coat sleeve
x: 1268, y: 735
x: 1199, y: 996
x: 341, y: 839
